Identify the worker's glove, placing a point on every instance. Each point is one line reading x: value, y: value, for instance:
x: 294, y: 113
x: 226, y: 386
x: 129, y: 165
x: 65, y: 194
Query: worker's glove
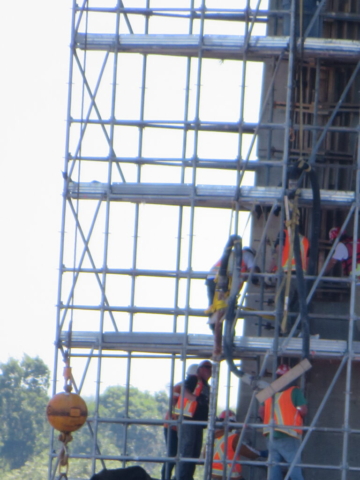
x: 264, y: 453
x: 302, y: 410
x: 202, y: 400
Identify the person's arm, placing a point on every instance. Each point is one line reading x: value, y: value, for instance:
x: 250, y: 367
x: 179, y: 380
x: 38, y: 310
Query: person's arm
x: 249, y: 261
x: 247, y: 451
x: 330, y: 266
x: 176, y: 393
x: 189, y: 395
x: 189, y: 387
x: 339, y: 255
x: 303, y: 410
x: 299, y: 401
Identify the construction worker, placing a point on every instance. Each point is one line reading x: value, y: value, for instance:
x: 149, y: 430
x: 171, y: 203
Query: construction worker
x: 194, y: 405
x: 218, y: 295
x: 290, y: 407
x: 170, y: 432
x: 291, y: 303
x: 225, y: 447
x: 343, y: 253
x: 304, y: 251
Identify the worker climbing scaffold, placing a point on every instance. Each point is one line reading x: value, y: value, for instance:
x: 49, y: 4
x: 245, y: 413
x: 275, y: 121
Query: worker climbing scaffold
x: 220, y: 283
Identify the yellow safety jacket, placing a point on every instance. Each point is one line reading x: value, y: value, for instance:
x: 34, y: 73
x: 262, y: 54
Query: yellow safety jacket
x: 220, y: 303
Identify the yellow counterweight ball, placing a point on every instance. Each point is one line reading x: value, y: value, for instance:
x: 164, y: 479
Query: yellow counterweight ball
x: 66, y: 412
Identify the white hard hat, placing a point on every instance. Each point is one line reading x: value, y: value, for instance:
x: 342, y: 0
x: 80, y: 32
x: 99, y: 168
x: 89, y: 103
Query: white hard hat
x: 192, y: 369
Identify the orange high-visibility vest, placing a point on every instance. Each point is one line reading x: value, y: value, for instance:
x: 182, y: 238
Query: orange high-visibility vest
x: 218, y: 459
x: 304, y: 250
x: 285, y: 413
x: 189, y: 406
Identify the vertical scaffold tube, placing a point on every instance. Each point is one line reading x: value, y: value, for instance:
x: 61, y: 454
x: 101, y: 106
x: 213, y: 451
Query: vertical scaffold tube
x: 212, y: 420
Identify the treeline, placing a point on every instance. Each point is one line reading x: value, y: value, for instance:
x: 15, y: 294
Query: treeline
x: 25, y: 432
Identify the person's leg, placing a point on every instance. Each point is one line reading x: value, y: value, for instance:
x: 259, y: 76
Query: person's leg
x: 164, y: 468
x: 289, y: 446
x: 171, y: 440
x: 198, y: 437
x: 198, y: 441
x: 186, y: 449
x: 219, y: 317
x: 173, y: 448
x: 275, y: 456
x: 217, y: 335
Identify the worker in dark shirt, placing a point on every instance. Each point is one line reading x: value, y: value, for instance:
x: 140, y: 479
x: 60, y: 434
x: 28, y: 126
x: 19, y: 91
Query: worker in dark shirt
x: 170, y: 432
x: 193, y: 405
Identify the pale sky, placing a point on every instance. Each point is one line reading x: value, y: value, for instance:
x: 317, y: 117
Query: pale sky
x: 35, y: 39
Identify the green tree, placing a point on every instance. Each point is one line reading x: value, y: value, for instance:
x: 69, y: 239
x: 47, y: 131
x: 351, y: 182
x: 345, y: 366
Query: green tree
x: 141, y: 440
x: 24, y: 430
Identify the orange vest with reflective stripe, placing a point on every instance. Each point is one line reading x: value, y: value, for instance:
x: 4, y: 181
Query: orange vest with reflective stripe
x: 304, y: 250
x: 285, y: 413
x: 229, y: 452
x: 189, y: 405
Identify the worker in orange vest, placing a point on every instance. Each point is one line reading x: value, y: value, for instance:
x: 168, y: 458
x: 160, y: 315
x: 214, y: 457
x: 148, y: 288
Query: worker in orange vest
x: 290, y: 407
x: 194, y: 406
x: 225, y: 448
x: 343, y: 254
x: 170, y: 432
x: 291, y: 289
x: 304, y: 251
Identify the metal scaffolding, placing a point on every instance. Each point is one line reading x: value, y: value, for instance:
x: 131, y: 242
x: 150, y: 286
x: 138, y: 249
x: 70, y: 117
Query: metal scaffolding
x: 183, y: 120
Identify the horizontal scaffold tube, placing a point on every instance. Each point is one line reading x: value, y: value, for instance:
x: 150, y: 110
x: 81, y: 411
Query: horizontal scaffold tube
x: 218, y: 46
